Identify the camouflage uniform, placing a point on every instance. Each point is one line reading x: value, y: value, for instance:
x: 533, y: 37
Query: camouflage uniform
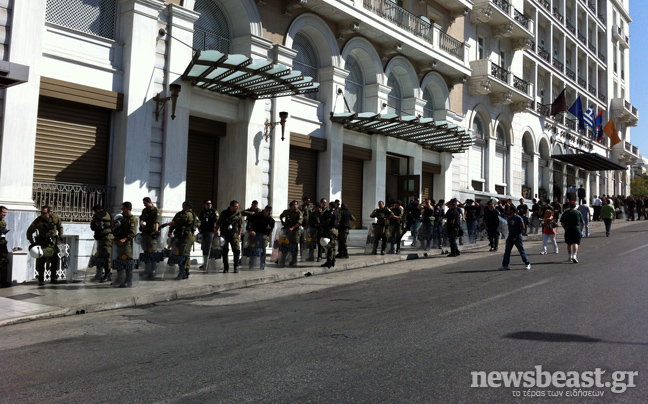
x: 380, y: 228
x: 127, y: 229
x: 148, y: 219
x: 315, y: 222
x: 230, y: 224
x: 394, y: 231
x: 330, y: 231
x: 101, y: 225
x: 184, y: 226
x: 290, y: 218
x: 49, y: 230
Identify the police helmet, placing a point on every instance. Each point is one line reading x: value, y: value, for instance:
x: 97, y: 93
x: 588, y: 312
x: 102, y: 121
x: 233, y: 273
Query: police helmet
x: 199, y: 238
x: 324, y: 242
x: 138, y: 238
x: 36, y: 251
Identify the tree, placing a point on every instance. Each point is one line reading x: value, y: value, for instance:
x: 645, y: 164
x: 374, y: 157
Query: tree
x: 639, y: 185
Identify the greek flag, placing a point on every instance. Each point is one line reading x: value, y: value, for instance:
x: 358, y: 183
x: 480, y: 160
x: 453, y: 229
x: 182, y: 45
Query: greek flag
x: 588, y: 116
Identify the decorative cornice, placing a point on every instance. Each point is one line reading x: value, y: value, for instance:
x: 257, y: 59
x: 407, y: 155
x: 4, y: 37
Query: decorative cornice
x: 521, y: 44
x: 481, y: 15
x: 503, y: 31
x: 502, y: 98
x: 479, y: 86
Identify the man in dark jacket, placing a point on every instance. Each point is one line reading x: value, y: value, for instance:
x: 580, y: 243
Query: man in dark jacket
x: 491, y: 222
x: 343, y: 229
x: 453, y: 222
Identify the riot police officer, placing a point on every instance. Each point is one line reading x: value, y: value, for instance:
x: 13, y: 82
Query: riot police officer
x: 330, y: 231
x: 343, y: 230
x: 315, y: 222
x: 292, y: 219
x: 183, y: 226
x: 230, y: 226
x: 381, y: 214
x: 149, y: 225
x: 101, y: 225
x: 49, y: 229
x: 124, y: 232
x: 262, y: 225
x: 395, y: 226
x: 207, y: 217
x: 5, y: 276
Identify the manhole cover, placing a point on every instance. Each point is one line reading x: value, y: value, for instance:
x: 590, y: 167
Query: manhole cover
x: 24, y: 296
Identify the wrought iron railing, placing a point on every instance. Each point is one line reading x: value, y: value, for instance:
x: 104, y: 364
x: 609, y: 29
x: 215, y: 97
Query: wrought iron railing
x: 627, y: 146
x: 520, y: 84
x: 570, y: 123
x: 451, y: 45
x: 601, y: 57
x: 546, y: 4
x: 601, y: 17
x: 557, y: 14
x: 543, y: 109
x: 601, y: 96
x: 582, y: 38
x: 582, y: 82
x: 559, y: 119
x: 522, y: 19
x: 635, y: 111
x: 532, y: 42
x: 591, y: 7
x: 558, y: 64
x: 591, y: 47
x: 570, y: 73
x: 627, y: 104
x: 591, y: 89
x: 72, y: 202
x: 570, y: 26
x: 544, y: 54
x: 499, y: 73
x: 502, y: 5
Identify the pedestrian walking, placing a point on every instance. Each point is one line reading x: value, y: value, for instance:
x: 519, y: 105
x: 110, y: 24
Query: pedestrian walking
x: 572, y: 221
x: 515, y: 230
x: 548, y: 231
x: 491, y: 222
x: 607, y: 213
x: 453, y: 225
x: 587, y: 216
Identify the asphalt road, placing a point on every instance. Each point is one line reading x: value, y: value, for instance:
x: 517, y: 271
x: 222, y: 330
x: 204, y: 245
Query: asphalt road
x: 406, y: 333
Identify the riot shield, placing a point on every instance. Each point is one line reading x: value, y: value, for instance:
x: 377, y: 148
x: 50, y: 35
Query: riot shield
x: 276, y: 242
x: 171, y: 252
x: 310, y: 244
x: 123, y: 269
x: 463, y: 239
x: 95, y: 261
x: 393, y: 239
x: 214, y: 263
x: 287, y: 250
x: 371, y: 239
x: 254, y: 251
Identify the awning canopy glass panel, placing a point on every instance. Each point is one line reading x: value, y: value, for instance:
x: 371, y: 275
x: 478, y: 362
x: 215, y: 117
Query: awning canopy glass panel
x: 589, y: 161
x: 432, y: 135
x: 243, y: 77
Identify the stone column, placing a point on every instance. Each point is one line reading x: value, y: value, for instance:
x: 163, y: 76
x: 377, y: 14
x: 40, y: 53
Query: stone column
x: 374, y: 177
x: 375, y: 95
x: 535, y: 184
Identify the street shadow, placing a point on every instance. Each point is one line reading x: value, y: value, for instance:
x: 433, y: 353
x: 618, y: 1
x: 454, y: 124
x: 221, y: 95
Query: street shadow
x: 562, y: 337
x: 474, y: 272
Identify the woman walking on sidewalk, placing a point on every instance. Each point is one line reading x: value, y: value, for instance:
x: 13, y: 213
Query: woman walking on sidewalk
x: 548, y: 231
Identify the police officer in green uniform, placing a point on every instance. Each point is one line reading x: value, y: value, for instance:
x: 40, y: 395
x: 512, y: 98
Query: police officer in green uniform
x: 101, y: 225
x: 124, y: 232
x: 207, y: 217
x: 292, y: 219
x: 330, y: 231
x: 230, y: 226
x: 48, y: 228
x: 249, y: 213
x: 5, y: 277
x: 315, y: 222
x: 381, y: 214
x: 343, y: 229
x: 305, y: 209
x: 183, y: 226
x: 150, y: 227
x: 394, y: 231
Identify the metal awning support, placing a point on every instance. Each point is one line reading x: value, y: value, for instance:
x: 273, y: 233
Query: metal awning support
x: 243, y: 77
x: 430, y: 134
x: 590, y: 161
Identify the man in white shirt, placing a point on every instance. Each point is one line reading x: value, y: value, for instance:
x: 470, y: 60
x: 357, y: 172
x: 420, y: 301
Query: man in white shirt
x: 587, y: 216
x: 598, y: 203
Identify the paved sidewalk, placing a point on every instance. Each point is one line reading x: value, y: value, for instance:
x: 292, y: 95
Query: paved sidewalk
x: 28, y: 301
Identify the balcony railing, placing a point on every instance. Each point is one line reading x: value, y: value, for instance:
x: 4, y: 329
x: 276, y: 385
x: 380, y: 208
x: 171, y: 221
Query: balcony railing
x: 582, y: 82
x: 204, y: 40
x: 544, y: 54
x: 522, y: 19
x: 627, y: 104
x: 570, y: 26
x: 72, y: 202
x: 591, y: 47
x: 451, y: 45
x: 502, y: 5
x: 558, y: 64
x: 601, y: 17
x: 521, y: 85
x: 601, y: 96
x: 591, y: 7
x: 546, y: 4
x: 570, y: 73
x: 591, y: 89
x: 570, y: 123
x: 499, y: 72
x: 635, y: 111
x: 601, y: 57
x: 543, y: 109
x: 557, y: 14
x: 415, y: 25
x: 582, y: 38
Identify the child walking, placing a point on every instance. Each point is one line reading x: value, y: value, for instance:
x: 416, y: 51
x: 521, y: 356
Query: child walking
x: 548, y: 231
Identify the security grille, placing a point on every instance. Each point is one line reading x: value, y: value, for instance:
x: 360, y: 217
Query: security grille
x: 394, y: 99
x: 306, y: 60
x: 96, y: 17
x: 211, y: 31
x: 354, y: 84
x: 428, y: 109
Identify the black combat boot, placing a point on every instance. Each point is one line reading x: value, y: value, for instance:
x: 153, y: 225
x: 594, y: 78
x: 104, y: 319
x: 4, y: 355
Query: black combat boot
x: 237, y: 261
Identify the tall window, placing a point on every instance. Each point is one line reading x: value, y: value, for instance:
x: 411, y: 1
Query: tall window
x: 306, y: 60
x: 501, y: 155
x: 395, y: 97
x: 353, y: 87
x: 478, y: 155
x: 96, y: 17
x: 211, y: 30
x: 428, y: 109
x: 481, y: 47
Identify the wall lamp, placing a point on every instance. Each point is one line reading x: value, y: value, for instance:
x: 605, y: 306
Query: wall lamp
x: 269, y: 126
x: 161, y: 101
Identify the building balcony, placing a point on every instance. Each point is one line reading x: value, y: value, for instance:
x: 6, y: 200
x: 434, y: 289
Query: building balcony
x: 601, y: 57
x: 457, y: 6
x: 622, y: 111
x: 582, y: 38
x: 591, y: 47
x: 395, y: 30
x: 570, y: 27
x: 546, y: 4
x: 619, y: 35
x: 557, y: 64
x: 570, y: 73
x: 544, y: 54
x: 601, y: 97
x: 506, y: 20
x: 503, y: 86
x: 557, y: 15
x: 626, y: 152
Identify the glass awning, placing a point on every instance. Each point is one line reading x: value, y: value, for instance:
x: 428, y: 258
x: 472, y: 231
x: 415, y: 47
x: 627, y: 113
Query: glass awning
x: 243, y: 77
x: 589, y: 161
x: 432, y: 135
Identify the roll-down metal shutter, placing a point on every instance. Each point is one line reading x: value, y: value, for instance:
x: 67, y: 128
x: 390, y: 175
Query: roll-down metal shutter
x: 302, y: 174
x: 352, y: 171
x: 427, y: 184
x: 202, y: 161
x: 72, y: 142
